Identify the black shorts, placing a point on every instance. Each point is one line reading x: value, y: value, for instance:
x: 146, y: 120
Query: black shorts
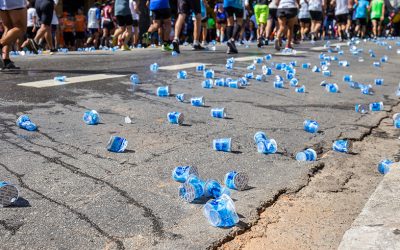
x: 305, y: 20
x: 289, y: 13
x: 80, y: 35
x: 185, y: 6
x: 69, y: 38
x: 124, y: 20
x: 161, y: 14
x: 350, y: 15
x: 109, y: 25
x: 362, y: 21
x: 234, y: 11
x: 272, y: 14
x: 135, y: 23
x: 316, y: 15
x: 44, y: 10
x: 92, y: 32
x: 342, y: 18
x: 29, y: 32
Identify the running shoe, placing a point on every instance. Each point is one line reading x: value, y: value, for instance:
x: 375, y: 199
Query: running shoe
x: 277, y: 44
x: 33, y: 46
x: 259, y: 43
x: 198, y: 47
x: 10, y: 66
x: 204, y: 44
x: 175, y: 44
x: 231, y: 47
x: 8, y: 194
x: 125, y: 48
x: 166, y: 47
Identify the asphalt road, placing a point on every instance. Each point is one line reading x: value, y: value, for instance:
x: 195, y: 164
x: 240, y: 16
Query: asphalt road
x: 77, y: 195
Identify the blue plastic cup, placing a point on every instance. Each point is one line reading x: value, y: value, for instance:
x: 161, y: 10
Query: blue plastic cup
x: 8, y: 194
x: 376, y: 64
x: 181, y: 74
x: 223, y: 144
x: 376, y: 106
x: 301, y: 89
x: 229, y: 66
x: 25, y: 122
x: 135, y: 79
x: 311, y: 126
x: 117, y: 144
x: 200, y: 67
x: 191, y: 191
x: 347, y: 78
x: 209, y: 74
x: 182, y: 173
x: 316, y: 69
x: 91, y: 117
x: 278, y: 84
x: 260, y: 78
x: 197, y: 101
x: 249, y: 75
x: 251, y: 67
x: 230, y: 60
x: 396, y: 120
x: 326, y: 73
x: 361, y: 108
x: 259, y: 136
x: 307, y: 155
x: 175, y: 118
x: 236, y: 180
x: 268, y: 57
x: 221, y: 212
x: 267, y: 146
x: 234, y: 84
x: 154, y: 67
x: 258, y: 60
x: 306, y: 65
x: 218, y: 112
x: 163, y: 91
x: 378, y: 81
x: 207, y: 84
x: 294, y: 82
x: 266, y: 70
x: 214, y: 189
x: 343, y: 146
x: 60, y: 78
x: 180, y: 97
x: 332, y: 88
x: 384, y: 166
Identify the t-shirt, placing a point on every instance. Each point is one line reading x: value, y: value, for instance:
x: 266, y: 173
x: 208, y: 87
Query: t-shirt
x: 80, y: 21
x: 272, y: 5
x: 93, y: 18
x: 315, y: 5
x: 69, y: 25
x: 31, y: 13
x: 376, y: 8
x: 287, y: 4
x: 221, y: 15
x: 107, y: 12
x: 341, y: 7
x: 159, y: 4
x: 238, y: 4
x: 203, y: 9
x: 211, y: 23
x: 304, y: 12
x: 122, y: 8
x: 361, y: 9
x: 133, y: 6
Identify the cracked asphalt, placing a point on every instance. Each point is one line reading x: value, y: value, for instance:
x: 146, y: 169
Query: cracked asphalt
x: 77, y: 195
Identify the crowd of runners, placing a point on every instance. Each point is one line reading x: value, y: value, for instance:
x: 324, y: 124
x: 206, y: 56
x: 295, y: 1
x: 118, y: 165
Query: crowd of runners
x: 173, y: 22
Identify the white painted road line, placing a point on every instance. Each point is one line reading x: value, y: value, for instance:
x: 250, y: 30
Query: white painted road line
x: 245, y: 58
x: 298, y: 52
x: 182, y: 66
x: 76, y: 79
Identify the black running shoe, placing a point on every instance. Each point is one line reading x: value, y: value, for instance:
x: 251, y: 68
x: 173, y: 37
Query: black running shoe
x: 9, y: 66
x: 198, y: 47
x: 33, y: 46
x: 231, y: 47
x: 175, y: 44
x: 259, y: 43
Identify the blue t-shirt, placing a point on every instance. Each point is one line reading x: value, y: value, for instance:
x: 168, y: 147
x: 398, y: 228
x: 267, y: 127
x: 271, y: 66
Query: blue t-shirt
x: 159, y: 4
x: 203, y: 10
x: 361, y: 10
x: 238, y: 4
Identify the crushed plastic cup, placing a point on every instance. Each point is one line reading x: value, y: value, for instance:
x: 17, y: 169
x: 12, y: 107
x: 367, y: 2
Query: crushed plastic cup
x: 307, y: 155
x: 396, y: 120
x: 25, y: 122
x: 251, y: 67
x: 236, y: 180
x: 294, y: 82
x: 326, y: 73
x: 342, y: 146
x: 376, y: 106
x: 367, y: 90
x: 379, y: 81
x: 197, y: 101
x: 260, y: 78
x: 154, y: 67
x: 180, y: 97
x: 278, y: 84
x: 209, y: 74
x: 8, y: 194
x: 91, y: 117
x: 301, y: 89
x: 289, y: 76
x: 266, y: 70
x: 60, y: 78
x: 316, y: 69
x: 259, y: 136
x: 332, y: 88
x: 128, y: 120
x: 135, y: 79
x: 311, y: 126
x: 117, y: 144
x: 182, y: 173
x: 384, y: 166
x: 175, y: 118
x: 267, y: 146
x: 223, y: 144
x: 163, y: 91
x: 181, y: 75
x: 218, y: 112
x: 191, y: 191
x: 347, y: 78
x: 221, y: 212
x: 207, y: 84
x: 214, y: 189
x: 361, y: 108
x: 268, y: 57
x: 249, y: 75
x: 229, y: 66
x: 230, y: 60
x: 200, y: 67
x: 376, y: 64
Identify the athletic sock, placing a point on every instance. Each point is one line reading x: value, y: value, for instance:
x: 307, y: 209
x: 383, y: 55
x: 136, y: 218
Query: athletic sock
x: 196, y: 42
x: 236, y: 31
x: 229, y: 32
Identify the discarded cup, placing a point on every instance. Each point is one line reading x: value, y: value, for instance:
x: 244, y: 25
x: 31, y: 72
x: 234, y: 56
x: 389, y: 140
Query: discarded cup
x: 384, y: 166
x: 376, y: 106
x: 197, y: 101
x: 289, y: 76
x: 361, y: 108
x: 154, y: 67
x: 207, y: 84
x: 267, y: 146
x: 191, y: 191
x: 268, y: 57
x: 91, y: 117
x: 332, y: 88
x: 218, y: 112
x: 180, y: 97
x: 220, y: 82
x: 230, y: 60
x: 60, y: 78
x: 214, y: 189
x: 278, y: 84
x: 311, y: 126
x: 378, y: 81
x: 25, y: 122
x: 8, y: 194
x: 128, y: 120
x: 135, y: 79
x: 294, y: 82
x: 229, y: 66
x: 258, y: 60
x: 223, y: 144
x: 251, y: 67
x: 347, y: 78
x: 316, y: 69
x: 396, y: 120
x: 249, y: 75
x: 175, y: 118
x: 376, y: 64
x: 306, y: 65
x: 266, y: 70
x: 326, y: 73
x: 209, y: 74
x: 367, y: 90
x: 343, y: 146
x: 301, y: 89
x: 182, y: 173
x: 163, y: 91
x: 236, y: 180
x: 234, y: 84
x: 181, y: 74
x: 260, y: 78
x: 260, y: 136
x: 200, y: 67
x: 117, y: 144
x: 307, y: 155
x: 221, y: 212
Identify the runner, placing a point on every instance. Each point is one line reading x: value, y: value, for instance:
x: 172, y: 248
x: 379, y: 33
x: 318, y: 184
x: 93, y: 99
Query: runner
x: 135, y: 26
x: 327, y: 31
x: 304, y: 19
x: 261, y: 12
x: 220, y: 16
x: 341, y: 14
x: 13, y: 13
x: 161, y: 19
x: 55, y: 29
x: 32, y: 22
x: 350, y: 19
x: 124, y: 20
x: 204, y: 6
x: 45, y: 10
x: 361, y: 7
x: 316, y: 8
x: 94, y: 15
x: 287, y: 13
x: 80, y: 27
x: 272, y: 19
x: 377, y: 8
x: 233, y: 8
x: 184, y: 8
x: 106, y: 23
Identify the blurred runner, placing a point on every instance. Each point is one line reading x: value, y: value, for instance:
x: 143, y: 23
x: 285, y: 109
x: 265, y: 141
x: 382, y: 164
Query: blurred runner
x: 93, y: 26
x: 304, y: 19
x: 123, y: 33
x: 234, y: 8
x: 377, y: 8
x: 220, y: 16
x: 80, y: 27
x: 361, y: 7
x: 261, y: 11
x: 135, y: 26
x: 107, y: 24
x: 287, y: 17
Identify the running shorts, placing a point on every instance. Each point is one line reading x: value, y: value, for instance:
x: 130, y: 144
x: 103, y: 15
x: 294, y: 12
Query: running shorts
x: 12, y: 4
x: 186, y: 6
x: 44, y: 9
x: 234, y: 11
x: 161, y: 14
x: 261, y: 11
x: 316, y: 15
x: 124, y: 20
x: 289, y: 13
x: 305, y: 20
x: 362, y: 21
